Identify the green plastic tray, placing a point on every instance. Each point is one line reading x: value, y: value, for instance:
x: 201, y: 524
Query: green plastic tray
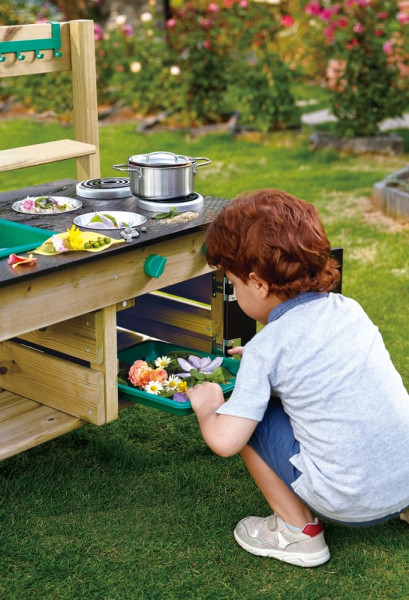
x: 16, y: 237
x: 152, y: 349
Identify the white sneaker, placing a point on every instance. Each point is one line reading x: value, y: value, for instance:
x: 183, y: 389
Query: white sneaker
x: 271, y: 537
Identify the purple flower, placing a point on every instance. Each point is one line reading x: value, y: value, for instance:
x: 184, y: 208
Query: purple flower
x: 180, y: 397
x: 204, y: 365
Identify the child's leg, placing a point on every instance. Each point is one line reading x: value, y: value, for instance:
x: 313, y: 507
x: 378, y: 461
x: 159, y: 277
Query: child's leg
x: 277, y: 494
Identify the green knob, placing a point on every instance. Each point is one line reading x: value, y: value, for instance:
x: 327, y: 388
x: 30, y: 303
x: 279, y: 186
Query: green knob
x: 154, y: 265
x: 204, y: 249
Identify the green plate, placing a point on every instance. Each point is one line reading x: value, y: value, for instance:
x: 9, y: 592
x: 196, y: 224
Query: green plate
x: 149, y: 351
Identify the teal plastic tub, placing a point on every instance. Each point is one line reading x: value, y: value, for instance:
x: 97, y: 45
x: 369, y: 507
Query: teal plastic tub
x: 16, y: 237
x: 149, y: 351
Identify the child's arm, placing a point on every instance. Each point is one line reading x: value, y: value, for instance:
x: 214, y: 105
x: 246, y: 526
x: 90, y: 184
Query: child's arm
x: 224, y: 434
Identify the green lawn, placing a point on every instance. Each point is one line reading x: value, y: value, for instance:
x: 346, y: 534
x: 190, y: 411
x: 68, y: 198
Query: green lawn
x: 141, y: 509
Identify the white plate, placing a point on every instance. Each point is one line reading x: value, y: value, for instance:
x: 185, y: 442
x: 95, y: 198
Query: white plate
x: 131, y: 219
x: 72, y: 202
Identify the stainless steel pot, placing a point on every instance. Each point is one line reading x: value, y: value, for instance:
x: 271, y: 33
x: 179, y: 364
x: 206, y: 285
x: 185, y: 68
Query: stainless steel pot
x: 161, y: 175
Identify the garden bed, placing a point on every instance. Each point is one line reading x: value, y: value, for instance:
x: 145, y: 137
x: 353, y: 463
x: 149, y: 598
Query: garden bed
x: 389, y: 144
x: 391, y: 198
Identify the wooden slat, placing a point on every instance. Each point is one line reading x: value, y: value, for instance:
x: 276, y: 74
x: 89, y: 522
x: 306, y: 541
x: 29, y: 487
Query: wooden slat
x: 12, y: 405
x: 175, y: 312
x: 28, y: 428
x: 76, y: 337
x: 59, y: 383
x: 173, y: 335
x: 38, y: 154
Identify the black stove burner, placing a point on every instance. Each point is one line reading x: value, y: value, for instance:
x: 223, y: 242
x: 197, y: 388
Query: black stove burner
x: 188, y: 198
x: 105, y: 183
x: 104, y: 188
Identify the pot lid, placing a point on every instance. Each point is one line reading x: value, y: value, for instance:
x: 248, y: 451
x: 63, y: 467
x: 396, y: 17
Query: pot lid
x: 160, y: 159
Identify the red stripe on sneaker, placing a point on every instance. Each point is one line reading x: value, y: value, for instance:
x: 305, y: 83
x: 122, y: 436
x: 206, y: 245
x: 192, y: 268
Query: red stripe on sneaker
x: 313, y: 529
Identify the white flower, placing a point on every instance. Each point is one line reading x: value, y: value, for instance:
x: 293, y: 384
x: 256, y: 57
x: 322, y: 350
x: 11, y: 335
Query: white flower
x: 162, y: 361
x: 172, y: 383
x: 120, y: 19
x: 135, y: 67
x: 146, y: 17
x: 149, y: 32
x: 174, y: 70
x: 153, y: 387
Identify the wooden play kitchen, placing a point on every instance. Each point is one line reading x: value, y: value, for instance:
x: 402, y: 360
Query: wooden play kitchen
x: 64, y: 320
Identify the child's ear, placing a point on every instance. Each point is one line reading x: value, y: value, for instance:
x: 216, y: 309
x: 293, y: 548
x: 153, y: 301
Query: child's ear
x: 261, y: 285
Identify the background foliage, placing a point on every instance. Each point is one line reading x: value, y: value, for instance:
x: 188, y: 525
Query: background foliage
x: 211, y: 59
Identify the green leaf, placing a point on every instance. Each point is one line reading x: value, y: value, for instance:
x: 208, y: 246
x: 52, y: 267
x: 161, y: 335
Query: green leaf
x: 167, y: 215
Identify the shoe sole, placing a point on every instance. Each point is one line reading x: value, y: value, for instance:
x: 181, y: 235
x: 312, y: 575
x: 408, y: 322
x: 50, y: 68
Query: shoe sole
x: 293, y: 558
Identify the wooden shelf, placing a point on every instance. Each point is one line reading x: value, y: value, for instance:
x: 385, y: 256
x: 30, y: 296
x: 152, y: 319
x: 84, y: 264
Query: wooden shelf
x: 39, y: 154
x: 26, y: 423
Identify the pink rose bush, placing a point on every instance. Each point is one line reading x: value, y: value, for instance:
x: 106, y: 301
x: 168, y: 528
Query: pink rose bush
x: 370, y: 38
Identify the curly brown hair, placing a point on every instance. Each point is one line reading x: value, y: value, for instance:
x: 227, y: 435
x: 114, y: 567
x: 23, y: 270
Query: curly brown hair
x: 277, y: 236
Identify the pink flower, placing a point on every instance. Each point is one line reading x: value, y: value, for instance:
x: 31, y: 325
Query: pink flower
x: 213, y: 8
x: 119, y: 68
x: 326, y: 14
x: 329, y: 34
x: 243, y: 3
x: 207, y: 44
x: 313, y: 8
x: 382, y: 16
x: 227, y: 3
x: 388, y: 47
x: 379, y: 32
x: 59, y: 244
x: 171, y: 23
x: 98, y: 32
x: 127, y: 30
x: 342, y: 22
x: 403, y: 18
x: 358, y: 28
x: 350, y: 45
x: 287, y: 21
x: 205, y: 23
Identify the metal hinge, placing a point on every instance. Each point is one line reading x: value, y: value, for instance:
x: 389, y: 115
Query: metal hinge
x: 222, y: 348
x: 224, y: 287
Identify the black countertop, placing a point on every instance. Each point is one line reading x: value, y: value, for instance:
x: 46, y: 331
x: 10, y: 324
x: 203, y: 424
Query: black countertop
x: 157, y: 230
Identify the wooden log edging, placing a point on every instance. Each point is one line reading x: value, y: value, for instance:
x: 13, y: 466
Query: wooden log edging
x: 391, y: 199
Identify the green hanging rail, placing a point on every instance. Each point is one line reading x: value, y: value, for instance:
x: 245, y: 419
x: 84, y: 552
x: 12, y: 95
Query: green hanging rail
x: 19, y: 46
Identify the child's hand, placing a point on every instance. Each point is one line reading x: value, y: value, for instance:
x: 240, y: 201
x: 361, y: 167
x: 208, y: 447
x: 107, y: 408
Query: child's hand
x: 236, y: 350
x: 206, y: 394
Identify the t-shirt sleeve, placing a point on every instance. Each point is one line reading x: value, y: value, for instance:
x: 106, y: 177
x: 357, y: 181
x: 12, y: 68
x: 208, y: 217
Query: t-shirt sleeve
x: 252, y: 389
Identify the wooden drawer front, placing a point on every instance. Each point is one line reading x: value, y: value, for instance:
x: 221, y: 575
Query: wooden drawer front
x: 79, y: 337
x: 59, y: 383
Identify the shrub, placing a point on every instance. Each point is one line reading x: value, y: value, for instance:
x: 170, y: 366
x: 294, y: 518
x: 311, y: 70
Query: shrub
x: 370, y: 38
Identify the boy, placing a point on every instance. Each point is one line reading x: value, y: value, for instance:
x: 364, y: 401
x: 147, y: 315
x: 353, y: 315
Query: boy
x: 319, y: 413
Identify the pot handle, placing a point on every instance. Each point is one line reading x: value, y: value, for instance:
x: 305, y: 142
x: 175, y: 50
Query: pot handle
x: 124, y: 167
x: 196, y: 165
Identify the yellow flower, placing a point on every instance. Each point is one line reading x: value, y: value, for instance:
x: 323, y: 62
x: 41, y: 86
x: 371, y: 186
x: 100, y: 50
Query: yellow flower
x: 182, y: 386
x: 75, y: 238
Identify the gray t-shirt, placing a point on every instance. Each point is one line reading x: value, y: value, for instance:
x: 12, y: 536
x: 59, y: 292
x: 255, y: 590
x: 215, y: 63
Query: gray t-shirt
x: 348, y: 407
